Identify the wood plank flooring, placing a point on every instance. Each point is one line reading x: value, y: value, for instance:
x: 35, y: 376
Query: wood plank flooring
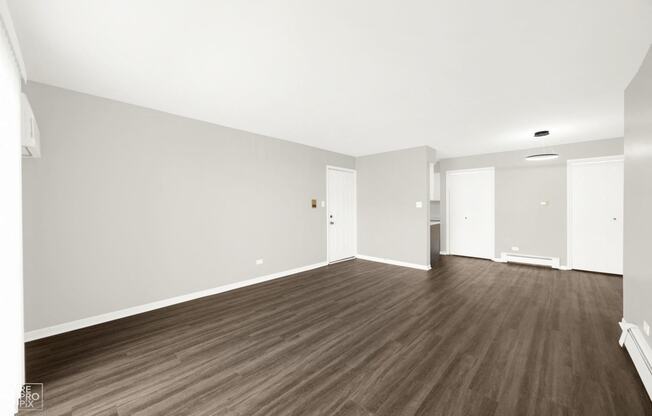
x: 470, y: 337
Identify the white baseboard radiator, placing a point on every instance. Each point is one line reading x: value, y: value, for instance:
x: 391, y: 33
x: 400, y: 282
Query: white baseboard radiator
x: 529, y: 259
x: 632, y: 338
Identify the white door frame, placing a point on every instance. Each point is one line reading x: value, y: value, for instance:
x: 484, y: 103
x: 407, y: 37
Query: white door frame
x: 355, y: 209
x: 570, y: 163
x: 493, y: 205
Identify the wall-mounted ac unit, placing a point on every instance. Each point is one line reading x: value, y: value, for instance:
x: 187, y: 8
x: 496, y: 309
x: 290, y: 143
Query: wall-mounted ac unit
x: 31, y: 140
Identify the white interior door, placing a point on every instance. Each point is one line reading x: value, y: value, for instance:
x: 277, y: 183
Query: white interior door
x: 470, y: 212
x: 341, y: 213
x: 596, y: 214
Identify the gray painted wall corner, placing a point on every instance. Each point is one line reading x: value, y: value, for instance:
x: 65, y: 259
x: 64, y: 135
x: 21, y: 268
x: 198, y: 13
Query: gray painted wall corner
x: 637, y: 280
x: 389, y: 224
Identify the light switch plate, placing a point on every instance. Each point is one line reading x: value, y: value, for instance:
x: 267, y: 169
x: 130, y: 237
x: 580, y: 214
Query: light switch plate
x: 515, y: 248
x: 419, y: 204
x: 323, y: 204
x: 259, y: 261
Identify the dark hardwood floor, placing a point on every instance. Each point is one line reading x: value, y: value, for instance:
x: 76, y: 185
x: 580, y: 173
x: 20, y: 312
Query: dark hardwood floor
x: 471, y: 337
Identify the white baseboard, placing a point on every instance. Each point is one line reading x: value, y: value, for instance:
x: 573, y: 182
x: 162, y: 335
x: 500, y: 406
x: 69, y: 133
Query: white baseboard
x: 639, y: 350
x: 98, y: 319
x: 443, y: 253
x: 499, y: 260
x: 394, y: 262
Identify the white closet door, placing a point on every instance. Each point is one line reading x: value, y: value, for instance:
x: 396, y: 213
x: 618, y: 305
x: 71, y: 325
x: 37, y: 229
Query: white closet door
x: 341, y: 212
x: 470, y: 212
x: 596, y: 215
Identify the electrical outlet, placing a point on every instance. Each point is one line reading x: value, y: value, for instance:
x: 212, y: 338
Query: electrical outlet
x: 514, y: 248
x: 419, y: 204
x: 646, y: 328
x: 259, y: 261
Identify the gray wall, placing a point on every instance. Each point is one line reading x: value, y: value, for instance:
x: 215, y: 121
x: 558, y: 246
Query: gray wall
x: 637, y: 281
x: 129, y: 206
x: 435, y: 210
x: 521, y: 186
x: 389, y: 224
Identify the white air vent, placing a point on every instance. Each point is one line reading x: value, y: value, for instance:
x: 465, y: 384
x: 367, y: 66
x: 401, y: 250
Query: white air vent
x: 31, y: 140
x: 527, y: 259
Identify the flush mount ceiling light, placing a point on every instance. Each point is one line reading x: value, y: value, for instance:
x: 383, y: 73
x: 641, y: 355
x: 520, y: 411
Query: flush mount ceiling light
x: 544, y: 155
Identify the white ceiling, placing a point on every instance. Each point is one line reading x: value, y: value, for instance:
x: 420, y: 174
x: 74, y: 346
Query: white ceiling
x: 353, y: 76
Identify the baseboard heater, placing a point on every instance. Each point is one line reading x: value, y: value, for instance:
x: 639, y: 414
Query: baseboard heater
x: 640, y: 352
x: 528, y: 259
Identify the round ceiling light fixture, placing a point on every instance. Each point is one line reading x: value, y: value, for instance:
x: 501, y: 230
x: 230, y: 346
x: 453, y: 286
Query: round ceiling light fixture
x: 544, y: 155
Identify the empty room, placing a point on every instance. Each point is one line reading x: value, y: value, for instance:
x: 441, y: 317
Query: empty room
x: 339, y: 208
